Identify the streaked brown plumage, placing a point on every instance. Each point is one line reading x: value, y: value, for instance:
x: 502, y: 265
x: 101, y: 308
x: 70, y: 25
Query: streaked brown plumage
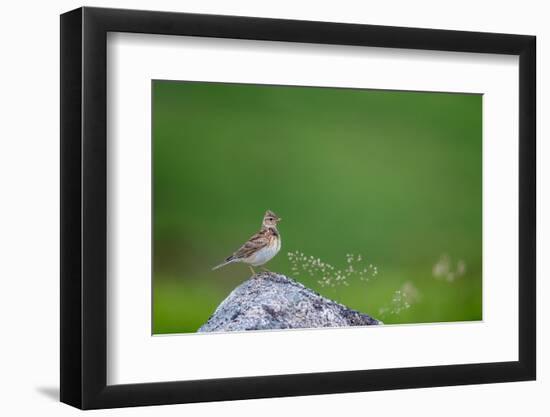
x: 261, y: 247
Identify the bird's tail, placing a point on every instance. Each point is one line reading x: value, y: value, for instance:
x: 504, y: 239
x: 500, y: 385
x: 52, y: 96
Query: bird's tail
x: 229, y: 260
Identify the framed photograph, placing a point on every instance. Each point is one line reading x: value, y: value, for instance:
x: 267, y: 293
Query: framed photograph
x: 257, y: 208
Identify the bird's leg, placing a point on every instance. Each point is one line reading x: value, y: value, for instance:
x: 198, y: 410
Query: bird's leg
x: 252, y: 269
x: 265, y: 269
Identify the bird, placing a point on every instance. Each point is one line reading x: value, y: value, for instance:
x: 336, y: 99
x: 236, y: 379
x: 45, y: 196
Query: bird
x: 261, y: 247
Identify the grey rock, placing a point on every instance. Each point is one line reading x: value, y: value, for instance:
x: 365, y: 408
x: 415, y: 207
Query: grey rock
x: 273, y: 301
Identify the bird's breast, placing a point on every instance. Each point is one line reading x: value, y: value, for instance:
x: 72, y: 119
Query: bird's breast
x: 266, y: 253
x: 278, y: 242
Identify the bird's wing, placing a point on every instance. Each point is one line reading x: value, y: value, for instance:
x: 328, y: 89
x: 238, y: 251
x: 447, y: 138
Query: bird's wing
x: 255, y: 243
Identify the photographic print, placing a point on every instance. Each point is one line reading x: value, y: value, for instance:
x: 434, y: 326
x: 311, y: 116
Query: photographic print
x: 364, y: 187
x: 296, y: 207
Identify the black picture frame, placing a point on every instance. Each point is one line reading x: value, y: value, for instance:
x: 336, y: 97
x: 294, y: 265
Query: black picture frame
x: 84, y: 207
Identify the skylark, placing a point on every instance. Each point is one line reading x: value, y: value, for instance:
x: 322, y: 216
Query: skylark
x: 261, y: 247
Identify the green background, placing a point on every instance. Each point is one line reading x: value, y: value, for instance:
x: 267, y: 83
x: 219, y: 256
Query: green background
x: 393, y: 176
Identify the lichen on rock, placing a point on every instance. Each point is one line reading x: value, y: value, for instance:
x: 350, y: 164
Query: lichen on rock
x: 270, y: 301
